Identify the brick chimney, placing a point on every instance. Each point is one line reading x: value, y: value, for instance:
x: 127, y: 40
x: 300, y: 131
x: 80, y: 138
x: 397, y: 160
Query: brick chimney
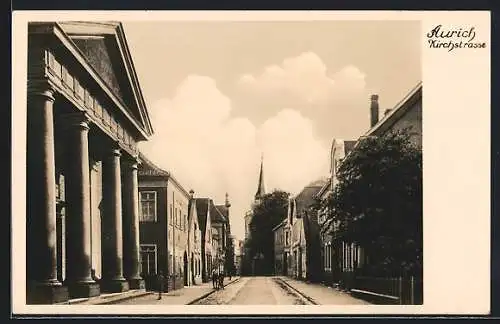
x: 373, y: 110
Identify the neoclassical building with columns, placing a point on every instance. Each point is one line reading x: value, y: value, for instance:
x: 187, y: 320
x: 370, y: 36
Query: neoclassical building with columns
x: 85, y: 118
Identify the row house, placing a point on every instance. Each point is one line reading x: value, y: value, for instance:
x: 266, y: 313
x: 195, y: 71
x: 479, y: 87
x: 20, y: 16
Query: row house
x: 221, y: 233
x: 282, y: 241
x: 341, y: 259
x: 204, y: 220
x: 85, y: 118
x: 297, y: 243
x: 194, y: 244
x: 215, y: 233
x: 334, y: 260
x: 164, y: 226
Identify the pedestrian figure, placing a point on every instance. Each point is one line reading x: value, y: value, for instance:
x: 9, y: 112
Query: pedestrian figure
x: 221, y: 280
x: 160, y: 279
x: 214, y: 279
x: 230, y: 275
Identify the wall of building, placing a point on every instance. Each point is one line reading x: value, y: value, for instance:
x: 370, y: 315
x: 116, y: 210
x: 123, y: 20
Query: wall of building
x: 279, y: 242
x: 412, y: 119
x: 177, y: 233
x: 154, y: 232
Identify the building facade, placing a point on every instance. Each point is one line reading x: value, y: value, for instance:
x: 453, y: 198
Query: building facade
x: 342, y: 258
x: 85, y: 117
x: 282, y: 241
x: 305, y: 242
x: 194, y: 244
x: 163, y: 226
x: 332, y: 254
x: 220, y: 233
x: 204, y: 221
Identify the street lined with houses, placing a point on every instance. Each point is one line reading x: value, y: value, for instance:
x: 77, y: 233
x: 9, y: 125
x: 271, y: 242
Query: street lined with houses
x: 108, y: 225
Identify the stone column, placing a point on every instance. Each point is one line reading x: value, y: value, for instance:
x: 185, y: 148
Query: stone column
x: 131, y: 255
x: 78, y: 223
x: 42, y: 284
x: 112, y: 242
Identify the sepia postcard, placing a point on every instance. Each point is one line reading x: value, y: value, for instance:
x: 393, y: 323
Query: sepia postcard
x: 251, y: 162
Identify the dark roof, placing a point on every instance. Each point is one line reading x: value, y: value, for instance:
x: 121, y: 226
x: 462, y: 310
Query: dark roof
x: 306, y: 197
x: 223, y: 210
x: 348, y: 146
x: 395, y: 113
x: 202, y: 208
x: 148, y: 168
x: 216, y: 215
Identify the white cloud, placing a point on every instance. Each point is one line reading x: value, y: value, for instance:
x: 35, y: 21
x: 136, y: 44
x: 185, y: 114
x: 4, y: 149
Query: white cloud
x: 304, y: 77
x: 212, y: 153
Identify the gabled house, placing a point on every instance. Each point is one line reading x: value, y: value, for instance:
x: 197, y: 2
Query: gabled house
x: 305, y: 243
x: 341, y: 258
x: 331, y: 250
x: 164, y: 206
x: 194, y: 244
x: 205, y: 224
x: 220, y: 230
x: 282, y: 241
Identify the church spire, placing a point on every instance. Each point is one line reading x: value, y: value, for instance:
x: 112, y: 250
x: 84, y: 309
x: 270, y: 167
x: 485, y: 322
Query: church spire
x: 261, y: 189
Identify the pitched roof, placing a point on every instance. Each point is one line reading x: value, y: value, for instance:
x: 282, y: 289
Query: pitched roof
x: 101, y: 42
x: 224, y: 211
x: 148, y: 168
x: 394, y: 114
x: 202, y: 209
x: 216, y: 216
x: 306, y: 197
x: 348, y: 146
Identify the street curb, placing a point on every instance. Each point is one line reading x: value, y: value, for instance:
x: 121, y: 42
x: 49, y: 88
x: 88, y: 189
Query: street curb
x: 301, y: 294
x: 211, y: 292
x: 110, y: 302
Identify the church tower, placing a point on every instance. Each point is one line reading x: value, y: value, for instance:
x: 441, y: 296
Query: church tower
x: 261, y: 188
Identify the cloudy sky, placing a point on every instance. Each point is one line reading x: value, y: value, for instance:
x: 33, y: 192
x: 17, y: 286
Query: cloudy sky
x: 220, y: 94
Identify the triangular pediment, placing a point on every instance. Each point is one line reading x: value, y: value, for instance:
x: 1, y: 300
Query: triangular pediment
x: 104, y: 47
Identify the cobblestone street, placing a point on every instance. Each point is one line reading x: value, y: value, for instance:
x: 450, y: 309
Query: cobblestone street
x: 251, y: 291
x: 255, y: 291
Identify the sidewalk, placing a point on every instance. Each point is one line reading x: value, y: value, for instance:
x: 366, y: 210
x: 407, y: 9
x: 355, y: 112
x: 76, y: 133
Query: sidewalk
x: 183, y: 296
x: 322, y: 295
x: 108, y: 298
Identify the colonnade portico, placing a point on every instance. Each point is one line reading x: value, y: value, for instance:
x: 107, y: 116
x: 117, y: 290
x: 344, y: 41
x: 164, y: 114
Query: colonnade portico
x: 120, y: 210
x: 85, y: 116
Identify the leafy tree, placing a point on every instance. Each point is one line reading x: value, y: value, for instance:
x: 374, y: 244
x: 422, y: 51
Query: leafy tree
x: 378, y: 201
x: 267, y: 213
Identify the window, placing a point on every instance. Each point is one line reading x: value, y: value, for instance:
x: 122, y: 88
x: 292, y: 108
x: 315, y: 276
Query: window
x: 185, y: 222
x: 148, y: 206
x: 148, y: 259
